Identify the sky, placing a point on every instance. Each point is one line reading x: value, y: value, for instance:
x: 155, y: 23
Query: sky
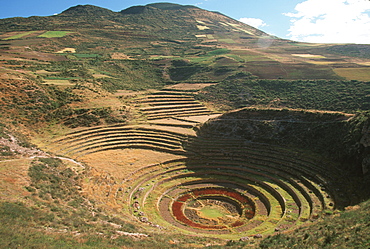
x: 316, y: 21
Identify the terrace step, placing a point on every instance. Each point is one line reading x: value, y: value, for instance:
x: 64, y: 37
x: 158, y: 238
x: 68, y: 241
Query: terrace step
x: 239, y: 147
x: 171, y: 103
x: 265, y: 160
x: 183, y: 175
x: 168, y: 102
x: 145, y: 129
x: 299, y: 194
x: 179, y: 111
x: 172, y: 107
x: 153, y: 137
x: 173, y: 122
x: 123, y: 140
x: 179, y: 114
x: 164, y: 97
x: 119, y: 146
x: 180, y: 90
x: 173, y: 92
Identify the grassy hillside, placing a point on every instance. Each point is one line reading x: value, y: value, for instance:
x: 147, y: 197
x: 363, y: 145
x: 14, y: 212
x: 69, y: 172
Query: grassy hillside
x: 330, y: 95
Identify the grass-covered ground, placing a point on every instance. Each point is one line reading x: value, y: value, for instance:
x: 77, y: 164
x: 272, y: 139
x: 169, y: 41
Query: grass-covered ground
x: 333, y: 95
x: 20, y: 35
x: 54, y: 34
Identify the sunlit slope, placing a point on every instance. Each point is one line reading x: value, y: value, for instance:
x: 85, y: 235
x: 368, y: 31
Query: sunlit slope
x: 211, y: 45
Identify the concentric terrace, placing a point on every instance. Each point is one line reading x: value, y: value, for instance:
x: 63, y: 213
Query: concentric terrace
x: 175, y: 173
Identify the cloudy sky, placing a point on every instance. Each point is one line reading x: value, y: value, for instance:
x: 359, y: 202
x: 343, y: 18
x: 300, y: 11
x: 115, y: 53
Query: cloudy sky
x: 319, y: 21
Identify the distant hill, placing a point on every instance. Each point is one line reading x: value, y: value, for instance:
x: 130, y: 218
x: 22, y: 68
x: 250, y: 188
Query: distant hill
x: 86, y: 10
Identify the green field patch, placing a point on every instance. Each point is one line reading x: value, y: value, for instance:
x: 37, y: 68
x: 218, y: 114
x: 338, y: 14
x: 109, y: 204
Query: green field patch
x: 161, y: 57
x: 62, y: 78
x: 100, y: 74
x: 199, y: 59
x: 362, y: 73
x: 212, y: 212
x: 87, y: 55
x: 230, y: 41
x: 256, y: 58
x: 218, y: 52
x: 235, y: 57
x: 54, y: 34
x: 58, y: 82
x: 301, y: 44
x: 44, y: 72
x: 81, y: 56
x: 103, y: 72
x: 19, y: 35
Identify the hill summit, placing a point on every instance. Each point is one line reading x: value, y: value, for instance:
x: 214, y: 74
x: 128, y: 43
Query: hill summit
x: 91, y: 10
x: 87, y: 10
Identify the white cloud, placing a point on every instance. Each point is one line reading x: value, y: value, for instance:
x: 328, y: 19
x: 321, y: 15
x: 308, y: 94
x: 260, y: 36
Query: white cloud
x: 200, y: 3
x: 333, y: 21
x: 254, y: 22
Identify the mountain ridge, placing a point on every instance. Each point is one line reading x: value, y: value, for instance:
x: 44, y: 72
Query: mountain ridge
x: 161, y: 11
x: 87, y: 9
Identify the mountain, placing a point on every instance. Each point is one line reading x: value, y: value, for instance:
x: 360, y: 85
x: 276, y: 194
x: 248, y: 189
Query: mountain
x: 167, y: 125
x: 196, y: 32
x: 160, y: 16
